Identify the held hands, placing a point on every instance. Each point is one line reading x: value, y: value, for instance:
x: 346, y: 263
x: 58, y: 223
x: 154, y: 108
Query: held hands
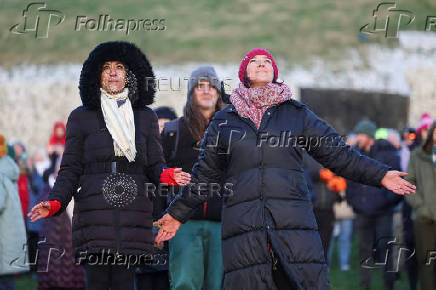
x: 39, y: 211
x: 182, y: 178
x: 168, y: 229
x: 393, y: 181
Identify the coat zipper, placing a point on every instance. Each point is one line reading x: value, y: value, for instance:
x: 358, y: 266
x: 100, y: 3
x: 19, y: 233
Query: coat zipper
x: 116, y: 221
x: 117, y: 231
x: 273, y: 259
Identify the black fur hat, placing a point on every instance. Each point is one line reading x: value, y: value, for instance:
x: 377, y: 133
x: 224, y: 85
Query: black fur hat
x: 141, y: 81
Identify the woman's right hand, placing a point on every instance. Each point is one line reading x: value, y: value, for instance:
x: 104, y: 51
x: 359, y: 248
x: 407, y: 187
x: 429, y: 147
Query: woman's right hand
x: 168, y: 228
x: 39, y: 211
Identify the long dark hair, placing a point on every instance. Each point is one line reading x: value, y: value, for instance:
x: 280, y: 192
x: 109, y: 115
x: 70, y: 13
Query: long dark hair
x: 429, y: 142
x: 197, y: 123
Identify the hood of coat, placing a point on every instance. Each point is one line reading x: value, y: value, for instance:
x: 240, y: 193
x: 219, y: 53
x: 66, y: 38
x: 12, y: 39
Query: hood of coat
x: 141, y: 80
x: 9, y: 168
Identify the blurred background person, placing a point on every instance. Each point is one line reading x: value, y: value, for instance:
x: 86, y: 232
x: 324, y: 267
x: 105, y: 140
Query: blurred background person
x: 58, y: 135
x: 164, y: 115
x: 322, y: 184
x: 23, y: 182
x: 422, y: 173
x: 56, y: 264
x: 394, y: 138
x: 410, y: 142
x: 12, y: 228
x: 343, y: 229
x: 55, y: 148
x: 424, y: 125
x: 374, y: 206
x: 36, y: 165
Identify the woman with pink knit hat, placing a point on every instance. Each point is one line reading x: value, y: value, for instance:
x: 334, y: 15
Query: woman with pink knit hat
x: 254, y: 147
x: 424, y: 125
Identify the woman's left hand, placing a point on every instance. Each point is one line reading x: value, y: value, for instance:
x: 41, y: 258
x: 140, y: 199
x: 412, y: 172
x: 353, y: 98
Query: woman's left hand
x: 393, y: 181
x: 39, y: 211
x: 182, y: 178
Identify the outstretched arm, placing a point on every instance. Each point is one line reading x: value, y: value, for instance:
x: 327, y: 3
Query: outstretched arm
x: 330, y: 150
x: 70, y: 171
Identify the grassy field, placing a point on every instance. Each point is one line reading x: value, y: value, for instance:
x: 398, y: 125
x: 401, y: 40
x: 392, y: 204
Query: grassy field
x: 209, y: 30
x: 346, y: 280
x: 340, y: 280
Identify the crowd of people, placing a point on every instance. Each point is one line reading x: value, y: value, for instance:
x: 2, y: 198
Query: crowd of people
x: 80, y: 213
x: 383, y: 222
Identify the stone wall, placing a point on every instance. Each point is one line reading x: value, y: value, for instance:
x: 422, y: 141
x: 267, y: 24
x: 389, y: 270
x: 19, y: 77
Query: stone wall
x: 343, y: 109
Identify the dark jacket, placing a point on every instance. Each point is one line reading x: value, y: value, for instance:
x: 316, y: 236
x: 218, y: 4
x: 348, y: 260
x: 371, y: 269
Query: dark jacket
x: 86, y: 164
x: 422, y: 173
x: 370, y: 200
x: 321, y: 196
x: 268, y: 196
x: 185, y: 156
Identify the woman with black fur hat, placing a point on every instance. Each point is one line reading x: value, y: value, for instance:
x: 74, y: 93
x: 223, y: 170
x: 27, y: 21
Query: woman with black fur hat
x: 112, y: 153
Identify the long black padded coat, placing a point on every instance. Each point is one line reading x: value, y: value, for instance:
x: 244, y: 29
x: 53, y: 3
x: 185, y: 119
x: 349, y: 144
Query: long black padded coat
x: 268, y: 200
x: 97, y: 224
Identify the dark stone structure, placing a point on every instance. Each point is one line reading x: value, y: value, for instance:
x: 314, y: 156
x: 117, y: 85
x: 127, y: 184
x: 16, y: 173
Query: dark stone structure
x: 343, y: 108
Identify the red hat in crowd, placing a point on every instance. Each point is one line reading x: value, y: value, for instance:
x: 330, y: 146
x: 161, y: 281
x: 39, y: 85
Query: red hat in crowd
x: 252, y: 53
x: 58, y: 140
x: 424, y: 123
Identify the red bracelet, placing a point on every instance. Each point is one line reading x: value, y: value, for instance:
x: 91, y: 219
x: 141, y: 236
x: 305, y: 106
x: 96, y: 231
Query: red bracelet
x: 55, y: 206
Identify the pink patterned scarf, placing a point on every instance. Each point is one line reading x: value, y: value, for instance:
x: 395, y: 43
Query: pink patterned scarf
x: 253, y: 102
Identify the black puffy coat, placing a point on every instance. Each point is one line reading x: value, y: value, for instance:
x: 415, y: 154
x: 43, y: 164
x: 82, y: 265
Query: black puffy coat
x: 268, y: 198
x: 89, y: 151
x: 370, y: 200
